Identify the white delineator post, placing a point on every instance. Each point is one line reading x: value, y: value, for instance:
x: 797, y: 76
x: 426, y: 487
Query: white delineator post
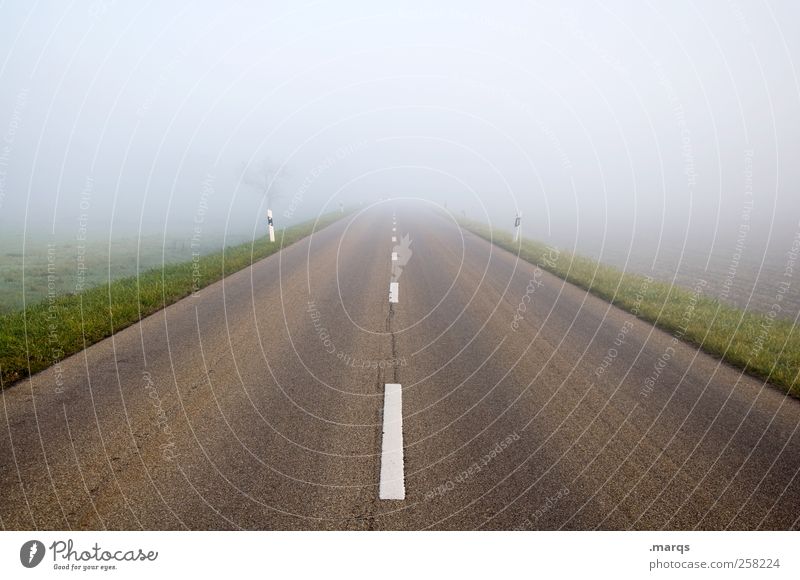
x: 517, y: 226
x: 271, y: 227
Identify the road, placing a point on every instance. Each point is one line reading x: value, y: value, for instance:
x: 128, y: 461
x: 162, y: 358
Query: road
x: 259, y: 403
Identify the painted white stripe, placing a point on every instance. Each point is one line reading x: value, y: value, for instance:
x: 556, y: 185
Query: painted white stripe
x: 394, y: 238
x: 394, y: 256
x: 394, y: 292
x: 392, y: 473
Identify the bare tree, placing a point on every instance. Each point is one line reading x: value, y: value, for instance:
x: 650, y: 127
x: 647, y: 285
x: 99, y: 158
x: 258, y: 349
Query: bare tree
x: 264, y: 177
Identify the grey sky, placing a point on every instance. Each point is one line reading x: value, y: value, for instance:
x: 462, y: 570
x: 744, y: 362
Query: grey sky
x: 615, y: 121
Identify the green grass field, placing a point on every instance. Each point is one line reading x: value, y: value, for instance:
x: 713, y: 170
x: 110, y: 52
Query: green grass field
x: 764, y: 346
x: 100, y: 261
x: 66, y: 322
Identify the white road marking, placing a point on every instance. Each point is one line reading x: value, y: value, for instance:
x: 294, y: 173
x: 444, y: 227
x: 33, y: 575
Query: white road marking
x: 392, y: 473
x: 394, y: 229
x: 394, y: 256
x: 394, y: 291
x: 394, y: 238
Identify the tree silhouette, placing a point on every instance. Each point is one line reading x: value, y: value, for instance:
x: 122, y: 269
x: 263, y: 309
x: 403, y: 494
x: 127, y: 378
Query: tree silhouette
x: 266, y: 178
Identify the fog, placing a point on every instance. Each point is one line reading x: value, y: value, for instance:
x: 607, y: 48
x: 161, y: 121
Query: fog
x: 609, y: 125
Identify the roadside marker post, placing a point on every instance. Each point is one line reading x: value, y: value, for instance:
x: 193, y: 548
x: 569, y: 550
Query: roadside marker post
x: 517, y: 226
x: 271, y: 226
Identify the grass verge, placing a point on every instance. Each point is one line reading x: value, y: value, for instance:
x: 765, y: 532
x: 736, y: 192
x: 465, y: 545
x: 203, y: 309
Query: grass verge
x: 51, y: 330
x: 762, y: 345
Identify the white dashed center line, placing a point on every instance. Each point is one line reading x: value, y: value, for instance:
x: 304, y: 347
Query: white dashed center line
x: 392, y: 485
x: 392, y: 473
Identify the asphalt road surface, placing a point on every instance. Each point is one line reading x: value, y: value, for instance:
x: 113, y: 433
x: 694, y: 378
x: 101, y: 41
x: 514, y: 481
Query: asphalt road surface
x: 260, y: 403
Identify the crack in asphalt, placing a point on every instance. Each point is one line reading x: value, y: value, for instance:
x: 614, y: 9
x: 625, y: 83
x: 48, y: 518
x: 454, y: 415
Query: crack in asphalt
x: 393, y: 356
